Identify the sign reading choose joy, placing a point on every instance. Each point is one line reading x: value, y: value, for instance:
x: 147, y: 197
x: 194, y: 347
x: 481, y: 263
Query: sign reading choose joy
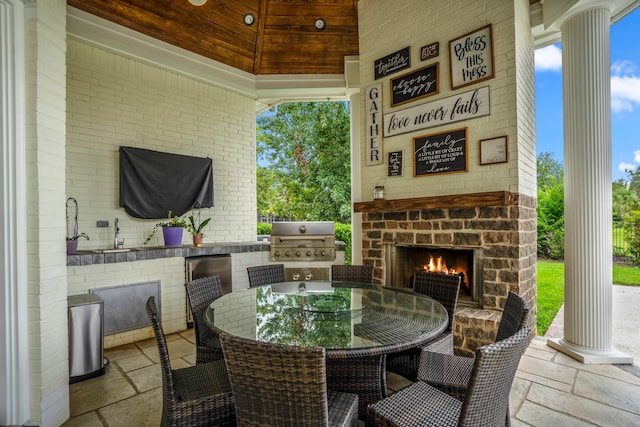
x: 452, y: 109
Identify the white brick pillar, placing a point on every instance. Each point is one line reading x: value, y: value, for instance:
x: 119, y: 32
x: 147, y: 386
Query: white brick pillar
x: 587, y: 156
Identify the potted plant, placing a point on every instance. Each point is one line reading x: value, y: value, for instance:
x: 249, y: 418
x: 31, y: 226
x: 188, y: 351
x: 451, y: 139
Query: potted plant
x: 195, y: 228
x: 171, y: 230
x: 72, y: 243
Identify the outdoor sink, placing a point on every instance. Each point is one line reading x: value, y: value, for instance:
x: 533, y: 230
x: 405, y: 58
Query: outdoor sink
x: 110, y: 251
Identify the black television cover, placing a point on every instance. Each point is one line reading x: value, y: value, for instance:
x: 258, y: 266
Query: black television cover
x: 153, y: 183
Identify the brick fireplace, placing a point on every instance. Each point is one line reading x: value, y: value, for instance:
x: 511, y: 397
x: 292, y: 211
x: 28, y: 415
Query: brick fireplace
x: 497, y: 228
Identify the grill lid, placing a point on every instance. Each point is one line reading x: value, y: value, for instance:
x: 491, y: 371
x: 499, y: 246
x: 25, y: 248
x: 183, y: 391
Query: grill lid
x: 303, y: 241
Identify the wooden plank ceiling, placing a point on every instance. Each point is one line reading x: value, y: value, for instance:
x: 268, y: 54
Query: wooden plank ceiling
x: 282, y: 40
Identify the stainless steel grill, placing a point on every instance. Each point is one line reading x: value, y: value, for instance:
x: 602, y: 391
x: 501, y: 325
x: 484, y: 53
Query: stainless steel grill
x: 303, y: 241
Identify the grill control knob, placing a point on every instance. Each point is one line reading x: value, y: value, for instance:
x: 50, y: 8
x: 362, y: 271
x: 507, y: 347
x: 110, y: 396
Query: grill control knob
x: 276, y: 254
x: 287, y: 254
x: 322, y: 253
x: 297, y: 253
x: 308, y: 253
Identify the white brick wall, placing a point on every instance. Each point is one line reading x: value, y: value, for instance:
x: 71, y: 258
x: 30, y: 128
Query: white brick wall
x: 114, y: 101
x: 45, y: 34
x: 386, y: 27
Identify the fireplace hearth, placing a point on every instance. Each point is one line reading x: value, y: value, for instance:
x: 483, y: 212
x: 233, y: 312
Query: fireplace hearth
x: 404, y: 260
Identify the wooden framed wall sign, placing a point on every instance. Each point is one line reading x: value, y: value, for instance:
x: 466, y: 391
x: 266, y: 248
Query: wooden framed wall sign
x: 415, y: 85
x: 493, y: 150
x: 395, y: 165
x: 392, y: 63
x: 373, y: 124
x: 444, y: 152
x: 471, y: 57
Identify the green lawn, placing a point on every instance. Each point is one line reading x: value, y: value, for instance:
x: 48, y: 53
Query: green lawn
x: 551, y: 288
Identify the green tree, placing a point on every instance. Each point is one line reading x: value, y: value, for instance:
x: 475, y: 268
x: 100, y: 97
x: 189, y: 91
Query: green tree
x: 625, y: 200
x: 550, y: 171
x: 550, y: 206
x: 304, y: 169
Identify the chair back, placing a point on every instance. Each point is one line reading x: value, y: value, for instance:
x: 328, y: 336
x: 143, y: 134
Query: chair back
x: 514, y: 316
x: 352, y: 273
x: 263, y: 274
x: 444, y: 288
x: 168, y: 391
x: 276, y: 385
x: 201, y: 293
x: 487, y: 400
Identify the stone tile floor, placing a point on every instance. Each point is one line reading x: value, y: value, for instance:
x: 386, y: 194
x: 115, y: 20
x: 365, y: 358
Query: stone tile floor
x: 550, y: 388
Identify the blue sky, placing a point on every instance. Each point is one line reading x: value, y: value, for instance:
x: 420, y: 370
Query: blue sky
x: 625, y: 97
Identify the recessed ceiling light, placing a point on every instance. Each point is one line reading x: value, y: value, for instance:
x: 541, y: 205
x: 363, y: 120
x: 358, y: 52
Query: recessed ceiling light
x: 249, y: 19
x: 319, y: 24
x: 197, y: 2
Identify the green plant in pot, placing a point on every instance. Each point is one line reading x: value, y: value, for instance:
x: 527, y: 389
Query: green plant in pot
x: 171, y: 230
x: 195, y: 228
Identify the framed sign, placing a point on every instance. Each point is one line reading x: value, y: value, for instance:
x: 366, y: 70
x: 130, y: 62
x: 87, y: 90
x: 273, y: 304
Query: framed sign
x: 471, y: 57
x: 395, y: 166
x: 429, y: 51
x: 392, y: 63
x: 440, y: 153
x: 464, y: 106
x: 373, y: 106
x: 414, y: 85
x: 493, y: 150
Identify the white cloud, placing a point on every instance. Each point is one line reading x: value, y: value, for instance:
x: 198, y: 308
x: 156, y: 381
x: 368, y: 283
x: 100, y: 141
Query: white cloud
x: 625, y: 93
x: 549, y: 58
x: 636, y: 156
x: 623, y: 167
x: 623, y: 67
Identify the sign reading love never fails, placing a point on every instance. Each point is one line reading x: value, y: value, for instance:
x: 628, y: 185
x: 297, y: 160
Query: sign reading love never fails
x: 467, y: 105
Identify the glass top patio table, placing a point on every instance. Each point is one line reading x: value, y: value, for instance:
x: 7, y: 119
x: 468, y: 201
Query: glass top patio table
x: 357, y: 323
x: 334, y: 315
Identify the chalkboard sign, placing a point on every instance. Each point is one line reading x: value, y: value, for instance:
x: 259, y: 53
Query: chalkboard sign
x: 395, y: 163
x: 440, y: 153
x: 415, y: 85
x: 392, y: 63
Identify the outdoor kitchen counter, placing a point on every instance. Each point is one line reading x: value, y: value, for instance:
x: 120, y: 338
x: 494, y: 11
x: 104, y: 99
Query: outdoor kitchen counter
x: 90, y: 257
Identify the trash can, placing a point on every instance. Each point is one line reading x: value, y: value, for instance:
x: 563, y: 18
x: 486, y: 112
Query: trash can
x: 86, y: 342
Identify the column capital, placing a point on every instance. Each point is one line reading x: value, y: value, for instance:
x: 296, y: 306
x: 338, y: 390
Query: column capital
x: 548, y: 16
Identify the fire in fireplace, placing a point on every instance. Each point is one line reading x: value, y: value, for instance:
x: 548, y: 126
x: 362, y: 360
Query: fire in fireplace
x: 402, y: 262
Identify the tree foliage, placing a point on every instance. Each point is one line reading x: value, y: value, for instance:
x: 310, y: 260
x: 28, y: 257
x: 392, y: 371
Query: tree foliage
x: 304, y: 170
x: 550, y: 206
x: 550, y: 171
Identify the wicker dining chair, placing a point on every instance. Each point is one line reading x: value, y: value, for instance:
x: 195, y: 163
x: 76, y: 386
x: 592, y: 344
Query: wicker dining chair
x: 263, y: 274
x: 284, y: 385
x: 194, y: 396
x: 352, y: 273
x: 444, y: 288
x: 452, y: 374
x: 201, y: 292
x: 486, y: 402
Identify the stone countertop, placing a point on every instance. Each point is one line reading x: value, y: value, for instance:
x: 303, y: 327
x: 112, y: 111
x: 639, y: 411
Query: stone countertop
x: 90, y: 257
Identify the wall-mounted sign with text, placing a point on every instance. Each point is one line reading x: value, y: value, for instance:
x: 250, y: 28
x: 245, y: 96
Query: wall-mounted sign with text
x: 471, y: 57
x: 440, y: 153
x: 415, y: 85
x: 396, y: 163
x: 392, y: 63
x: 373, y: 124
x: 467, y: 105
x: 429, y: 51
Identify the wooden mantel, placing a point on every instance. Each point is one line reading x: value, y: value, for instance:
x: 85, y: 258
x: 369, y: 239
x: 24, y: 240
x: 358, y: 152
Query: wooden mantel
x: 472, y: 200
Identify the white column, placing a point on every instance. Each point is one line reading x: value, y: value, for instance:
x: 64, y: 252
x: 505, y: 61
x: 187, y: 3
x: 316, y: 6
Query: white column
x: 14, y: 345
x: 587, y: 158
x: 352, y: 75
